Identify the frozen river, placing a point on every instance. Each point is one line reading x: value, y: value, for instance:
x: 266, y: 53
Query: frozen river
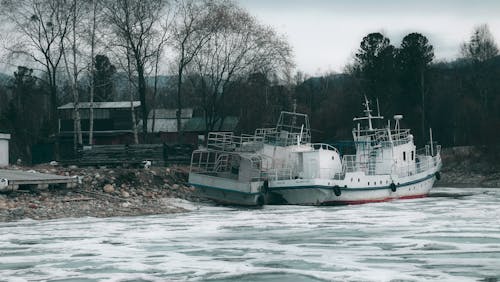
x: 452, y: 236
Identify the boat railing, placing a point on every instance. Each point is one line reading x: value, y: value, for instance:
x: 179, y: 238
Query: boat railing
x: 381, y: 136
x: 353, y: 163
x: 429, y: 150
x: 265, y: 131
x: 292, y: 128
x: 226, y: 141
x: 227, y: 164
x: 283, y: 137
x: 426, y: 159
x: 324, y: 146
x: 422, y: 164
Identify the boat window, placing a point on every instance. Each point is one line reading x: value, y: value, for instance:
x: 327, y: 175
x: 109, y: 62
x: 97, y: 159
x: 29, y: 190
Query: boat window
x: 368, y: 183
x: 358, y: 179
x: 351, y: 179
x: 333, y: 157
x: 412, y: 155
x: 404, y: 156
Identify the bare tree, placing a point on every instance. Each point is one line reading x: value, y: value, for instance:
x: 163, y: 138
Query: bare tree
x: 135, y: 26
x: 166, y: 34
x: 238, y: 47
x: 481, y: 46
x: 42, y: 27
x: 191, y: 31
x: 131, y: 95
x: 74, y: 12
x: 91, y: 70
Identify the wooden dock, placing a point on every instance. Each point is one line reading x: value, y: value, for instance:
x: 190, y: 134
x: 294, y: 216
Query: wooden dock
x: 11, y: 180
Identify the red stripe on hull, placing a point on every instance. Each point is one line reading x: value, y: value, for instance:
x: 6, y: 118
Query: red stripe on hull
x: 359, y: 202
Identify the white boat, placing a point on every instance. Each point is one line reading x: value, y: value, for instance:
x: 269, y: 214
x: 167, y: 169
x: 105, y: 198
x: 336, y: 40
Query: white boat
x: 236, y: 169
x: 385, y: 166
x: 281, y: 165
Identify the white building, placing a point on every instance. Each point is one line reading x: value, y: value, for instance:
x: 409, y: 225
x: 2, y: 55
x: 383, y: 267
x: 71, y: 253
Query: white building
x: 4, y: 149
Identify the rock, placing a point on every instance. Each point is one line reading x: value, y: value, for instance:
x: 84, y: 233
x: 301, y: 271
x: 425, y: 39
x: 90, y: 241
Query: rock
x: 32, y: 206
x: 73, y: 167
x: 125, y: 194
x: 126, y: 205
x: 108, y: 188
x: 3, y: 205
x: 175, y: 186
x: 17, y: 212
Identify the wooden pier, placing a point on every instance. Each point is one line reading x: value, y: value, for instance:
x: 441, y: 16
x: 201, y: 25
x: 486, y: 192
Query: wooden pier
x: 11, y: 180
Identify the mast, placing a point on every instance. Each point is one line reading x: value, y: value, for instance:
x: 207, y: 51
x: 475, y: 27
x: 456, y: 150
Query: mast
x: 368, y: 114
x: 432, y: 146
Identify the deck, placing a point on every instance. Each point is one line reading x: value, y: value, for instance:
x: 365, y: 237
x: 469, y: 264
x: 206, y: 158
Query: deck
x: 11, y: 180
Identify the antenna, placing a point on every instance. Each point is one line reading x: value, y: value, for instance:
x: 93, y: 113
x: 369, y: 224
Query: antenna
x: 378, y: 108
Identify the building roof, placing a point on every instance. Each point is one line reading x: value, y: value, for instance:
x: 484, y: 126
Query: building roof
x: 101, y: 105
x: 170, y: 113
x: 197, y: 124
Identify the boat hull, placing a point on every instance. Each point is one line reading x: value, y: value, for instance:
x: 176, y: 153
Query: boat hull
x: 228, y: 191
x: 329, y: 195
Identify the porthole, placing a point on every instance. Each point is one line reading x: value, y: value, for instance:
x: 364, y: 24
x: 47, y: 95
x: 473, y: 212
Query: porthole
x: 358, y: 179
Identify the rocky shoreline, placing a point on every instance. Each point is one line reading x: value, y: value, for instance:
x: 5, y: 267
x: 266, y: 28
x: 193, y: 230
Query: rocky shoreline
x: 469, y: 166
x: 106, y: 192
x: 102, y: 192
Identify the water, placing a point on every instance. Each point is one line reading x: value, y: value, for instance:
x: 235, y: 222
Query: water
x: 451, y: 237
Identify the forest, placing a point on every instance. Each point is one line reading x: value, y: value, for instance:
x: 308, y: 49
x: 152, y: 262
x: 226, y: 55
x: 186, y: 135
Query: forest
x: 214, y: 56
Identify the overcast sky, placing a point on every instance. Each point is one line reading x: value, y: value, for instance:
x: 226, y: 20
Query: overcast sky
x: 325, y: 34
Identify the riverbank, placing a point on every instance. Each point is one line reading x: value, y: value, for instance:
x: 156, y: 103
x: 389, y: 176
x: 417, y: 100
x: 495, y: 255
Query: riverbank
x: 469, y: 166
x: 106, y: 192
x: 102, y: 192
